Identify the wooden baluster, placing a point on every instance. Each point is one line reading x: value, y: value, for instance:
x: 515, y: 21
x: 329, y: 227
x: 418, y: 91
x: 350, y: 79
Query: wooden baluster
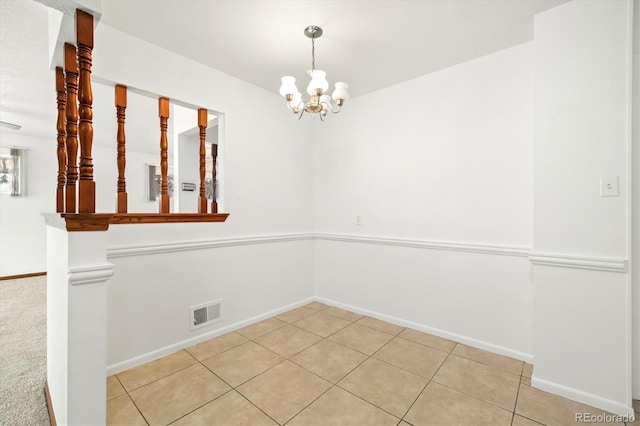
x: 61, y: 99
x: 202, y: 123
x: 121, y: 106
x: 214, y: 155
x: 163, y: 107
x: 71, y: 113
x: 86, y: 186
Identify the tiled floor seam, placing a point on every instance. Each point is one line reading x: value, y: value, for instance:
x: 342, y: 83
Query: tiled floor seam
x: 427, y: 384
x: 199, y: 407
x: 221, y: 352
x: 315, y: 334
x: 428, y: 346
x: 493, y: 367
x: 474, y: 397
x: 159, y: 378
x: 513, y: 415
x: 270, y: 331
x: 351, y: 371
x: 306, y: 406
x: 126, y: 392
x: 368, y: 402
x: 234, y: 389
x: 137, y: 408
x: 371, y: 328
x: 251, y: 402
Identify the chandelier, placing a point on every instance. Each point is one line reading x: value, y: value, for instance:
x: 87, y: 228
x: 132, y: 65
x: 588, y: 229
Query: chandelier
x: 319, y: 103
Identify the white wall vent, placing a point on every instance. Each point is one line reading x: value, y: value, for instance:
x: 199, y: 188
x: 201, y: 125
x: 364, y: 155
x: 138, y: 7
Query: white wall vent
x: 204, y: 314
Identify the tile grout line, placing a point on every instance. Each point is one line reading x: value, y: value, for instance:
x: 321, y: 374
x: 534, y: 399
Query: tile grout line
x: 365, y: 360
x: 427, y: 384
x: 231, y: 387
x: 163, y: 377
x: 513, y: 414
x: 131, y: 399
x: 200, y: 406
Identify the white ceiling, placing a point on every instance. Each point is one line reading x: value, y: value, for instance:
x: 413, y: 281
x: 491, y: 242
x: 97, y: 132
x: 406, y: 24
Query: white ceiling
x: 368, y: 44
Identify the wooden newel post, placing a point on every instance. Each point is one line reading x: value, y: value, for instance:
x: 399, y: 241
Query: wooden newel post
x: 87, y: 187
x: 121, y: 106
x: 202, y: 123
x: 214, y: 155
x: 61, y: 124
x: 71, y: 114
x: 163, y: 112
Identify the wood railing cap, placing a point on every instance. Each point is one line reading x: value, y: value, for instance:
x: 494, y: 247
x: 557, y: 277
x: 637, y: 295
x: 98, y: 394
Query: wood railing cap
x: 121, y: 95
x: 84, y: 28
x: 70, y: 58
x: 163, y: 107
x: 202, y: 117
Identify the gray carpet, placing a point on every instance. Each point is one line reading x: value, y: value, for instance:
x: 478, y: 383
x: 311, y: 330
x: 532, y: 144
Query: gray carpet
x: 23, y: 352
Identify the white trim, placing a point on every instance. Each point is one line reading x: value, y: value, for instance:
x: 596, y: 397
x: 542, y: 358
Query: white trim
x: 90, y: 274
x: 168, y: 247
x: 426, y: 244
x: 629, y: 197
x: 546, y: 259
x: 167, y: 350
x: 480, y: 344
x: 579, y: 262
x: 583, y: 397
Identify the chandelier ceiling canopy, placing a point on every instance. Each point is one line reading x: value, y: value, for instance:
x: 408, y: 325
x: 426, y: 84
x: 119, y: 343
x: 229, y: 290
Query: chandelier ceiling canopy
x: 319, y: 102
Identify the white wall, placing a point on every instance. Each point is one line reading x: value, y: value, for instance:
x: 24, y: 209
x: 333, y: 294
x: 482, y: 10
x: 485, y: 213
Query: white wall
x: 22, y: 229
x: 268, y: 184
x: 582, y: 297
x: 445, y: 158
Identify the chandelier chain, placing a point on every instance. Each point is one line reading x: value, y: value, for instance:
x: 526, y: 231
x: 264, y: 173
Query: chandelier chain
x: 313, y: 54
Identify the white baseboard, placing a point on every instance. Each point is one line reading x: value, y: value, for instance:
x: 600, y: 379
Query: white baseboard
x: 501, y: 350
x: 167, y: 350
x: 583, y: 397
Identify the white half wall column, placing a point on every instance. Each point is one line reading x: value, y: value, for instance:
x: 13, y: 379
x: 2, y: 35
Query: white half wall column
x: 77, y: 275
x: 582, y: 234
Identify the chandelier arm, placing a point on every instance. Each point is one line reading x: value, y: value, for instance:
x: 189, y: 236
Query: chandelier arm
x: 337, y: 108
x: 313, y: 54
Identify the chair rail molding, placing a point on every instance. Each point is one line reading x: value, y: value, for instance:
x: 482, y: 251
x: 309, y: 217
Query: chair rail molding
x: 484, y: 248
x: 167, y: 247
x: 561, y: 260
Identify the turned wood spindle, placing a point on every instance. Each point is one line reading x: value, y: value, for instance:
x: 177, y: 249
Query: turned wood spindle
x: 214, y: 156
x: 121, y: 106
x: 61, y: 99
x: 86, y: 186
x: 163, y: 109
x: 202, y: 123
x: 71, y: 114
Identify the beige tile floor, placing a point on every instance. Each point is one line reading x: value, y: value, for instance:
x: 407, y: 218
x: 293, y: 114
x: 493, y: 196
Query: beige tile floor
x: 320, y: 365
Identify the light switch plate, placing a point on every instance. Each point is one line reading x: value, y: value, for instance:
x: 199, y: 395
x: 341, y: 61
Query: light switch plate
x: 609, y: 186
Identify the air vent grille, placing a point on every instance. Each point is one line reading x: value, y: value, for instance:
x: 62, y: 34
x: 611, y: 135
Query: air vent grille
x: 205, y: 314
